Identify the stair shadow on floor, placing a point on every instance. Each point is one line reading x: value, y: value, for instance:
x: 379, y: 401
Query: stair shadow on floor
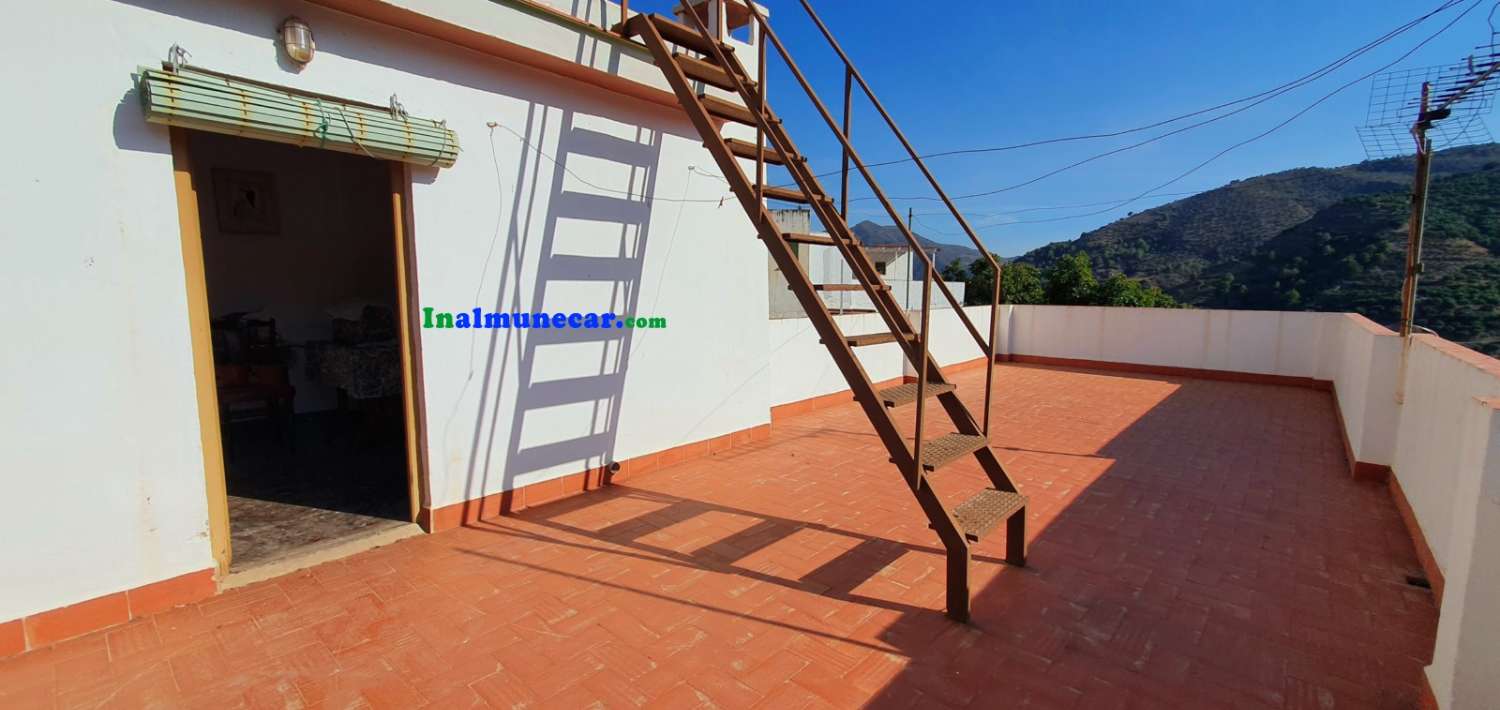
x: 837, y: 578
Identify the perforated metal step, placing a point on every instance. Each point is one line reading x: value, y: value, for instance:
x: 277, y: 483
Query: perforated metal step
x: 907, y: 393
x: 979, y: 515
x: 944, y: 449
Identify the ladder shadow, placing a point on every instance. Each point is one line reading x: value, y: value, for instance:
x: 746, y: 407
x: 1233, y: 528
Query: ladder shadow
x: 569, y: 382
x: 836, y: 579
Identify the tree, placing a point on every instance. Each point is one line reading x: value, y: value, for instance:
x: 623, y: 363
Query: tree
x: 980, y: 288
x: 1120, y: 290
x: 1225, y: 285
x: 1021, y: 284
x: 1070, y: 281
x: 955, y: 271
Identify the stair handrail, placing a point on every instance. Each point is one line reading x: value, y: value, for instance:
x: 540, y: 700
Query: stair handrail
x: 859, y: 163
x: 900, y: 136
x: 986, y: 345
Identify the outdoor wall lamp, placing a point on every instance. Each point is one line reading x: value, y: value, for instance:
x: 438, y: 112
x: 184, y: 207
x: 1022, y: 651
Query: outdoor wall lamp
x: 297, y: 40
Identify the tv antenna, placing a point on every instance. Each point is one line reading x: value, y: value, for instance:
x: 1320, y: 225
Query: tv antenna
x: 1418, y: 111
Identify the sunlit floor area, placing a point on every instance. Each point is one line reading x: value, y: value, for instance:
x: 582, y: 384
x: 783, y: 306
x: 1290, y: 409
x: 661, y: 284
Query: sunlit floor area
x: 1193, y: 544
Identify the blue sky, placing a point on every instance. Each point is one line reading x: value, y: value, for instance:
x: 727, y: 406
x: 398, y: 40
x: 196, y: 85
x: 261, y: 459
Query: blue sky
x: 972, y: 75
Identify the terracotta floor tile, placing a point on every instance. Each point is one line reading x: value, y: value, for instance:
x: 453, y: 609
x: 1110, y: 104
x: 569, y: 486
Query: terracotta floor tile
x: 797, y: 572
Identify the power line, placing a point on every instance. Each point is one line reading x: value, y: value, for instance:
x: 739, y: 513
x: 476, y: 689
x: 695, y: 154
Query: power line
x: 1256, y: 100
x: 1112, y: 205
x: 1313, y: 105
x: 1151, y: 192
x: 1057, y: 207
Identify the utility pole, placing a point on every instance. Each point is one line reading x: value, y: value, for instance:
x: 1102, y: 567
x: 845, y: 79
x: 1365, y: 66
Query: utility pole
x: 1454, y: 96
x: 1418, y: 221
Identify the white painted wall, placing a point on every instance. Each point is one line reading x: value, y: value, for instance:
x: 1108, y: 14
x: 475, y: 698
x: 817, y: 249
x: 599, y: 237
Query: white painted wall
x: 1363, y: 361
x: 950, y: 341
x: 1443, y: 442
x: 1447, y: 458
x: 1430, y: 445
x: 101, y: 426
x: 1462, y: 673
x: 825, y: 265
x: 800, y: 367
x: 1263, y: 342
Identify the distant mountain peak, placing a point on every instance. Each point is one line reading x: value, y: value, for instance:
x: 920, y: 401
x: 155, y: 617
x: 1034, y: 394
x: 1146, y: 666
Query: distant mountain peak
x: 873, y: 234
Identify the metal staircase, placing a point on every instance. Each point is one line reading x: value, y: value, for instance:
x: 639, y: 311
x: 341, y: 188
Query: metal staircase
x: 689, y: 55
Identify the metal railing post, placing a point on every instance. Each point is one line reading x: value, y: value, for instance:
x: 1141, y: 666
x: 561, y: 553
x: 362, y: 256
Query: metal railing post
x: 760, y: 111
x: 848, y: 121
x: 916, y: 477
x: 864, y: 170
x: 989, y: 366
x: 987, y: 345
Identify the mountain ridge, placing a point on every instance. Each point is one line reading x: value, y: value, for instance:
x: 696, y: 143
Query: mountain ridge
x: 1172, y: 245
x: 872, y: 234
x: 1328, y: 239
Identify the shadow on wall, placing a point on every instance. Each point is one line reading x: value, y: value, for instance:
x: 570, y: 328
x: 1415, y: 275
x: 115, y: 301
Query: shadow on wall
x: 603, y: 14
x: 569, y: 382
x: 613, y: 153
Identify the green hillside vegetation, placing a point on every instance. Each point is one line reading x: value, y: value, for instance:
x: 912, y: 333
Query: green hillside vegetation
x: 1329, y: 239
x: 1069, y: 281
x: 1350, y: 257
x: 1175, y: 245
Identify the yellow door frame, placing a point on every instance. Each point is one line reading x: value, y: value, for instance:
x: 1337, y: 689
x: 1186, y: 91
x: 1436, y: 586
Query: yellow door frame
x: 199, y: 319
x: 413, y: 400
x: 203, y: 350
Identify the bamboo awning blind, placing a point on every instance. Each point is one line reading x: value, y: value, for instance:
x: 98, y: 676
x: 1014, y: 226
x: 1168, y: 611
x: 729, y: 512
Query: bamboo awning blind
x: 214, y: 102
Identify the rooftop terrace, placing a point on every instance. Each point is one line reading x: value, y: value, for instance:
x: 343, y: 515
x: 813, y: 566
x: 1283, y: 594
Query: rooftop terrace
x: 1193, y: 543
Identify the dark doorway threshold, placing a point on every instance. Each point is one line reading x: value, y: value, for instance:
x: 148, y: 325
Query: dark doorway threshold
x: 327, y: 477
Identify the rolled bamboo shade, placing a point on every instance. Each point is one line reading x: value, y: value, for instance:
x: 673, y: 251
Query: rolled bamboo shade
x: 214, y: 102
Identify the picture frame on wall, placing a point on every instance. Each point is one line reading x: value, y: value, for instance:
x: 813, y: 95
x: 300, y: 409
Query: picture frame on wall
x: 245, y: 202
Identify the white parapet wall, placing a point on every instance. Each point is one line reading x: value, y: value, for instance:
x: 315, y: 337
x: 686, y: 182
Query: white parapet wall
x: 800, y: 368
x: 1436, y: 430
x: 1447, y: 459
x: 1261, y: 342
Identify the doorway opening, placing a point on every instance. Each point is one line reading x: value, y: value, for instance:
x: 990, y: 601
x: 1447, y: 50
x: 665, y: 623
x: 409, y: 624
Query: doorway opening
x: 304, y: 303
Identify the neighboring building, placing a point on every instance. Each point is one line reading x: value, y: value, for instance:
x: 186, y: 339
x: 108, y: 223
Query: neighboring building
x: 825, y: 265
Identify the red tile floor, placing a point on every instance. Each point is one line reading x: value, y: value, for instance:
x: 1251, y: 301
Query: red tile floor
x: 1193, y: 544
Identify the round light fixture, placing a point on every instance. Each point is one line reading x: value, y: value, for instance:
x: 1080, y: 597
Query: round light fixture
x: 297, y: 40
